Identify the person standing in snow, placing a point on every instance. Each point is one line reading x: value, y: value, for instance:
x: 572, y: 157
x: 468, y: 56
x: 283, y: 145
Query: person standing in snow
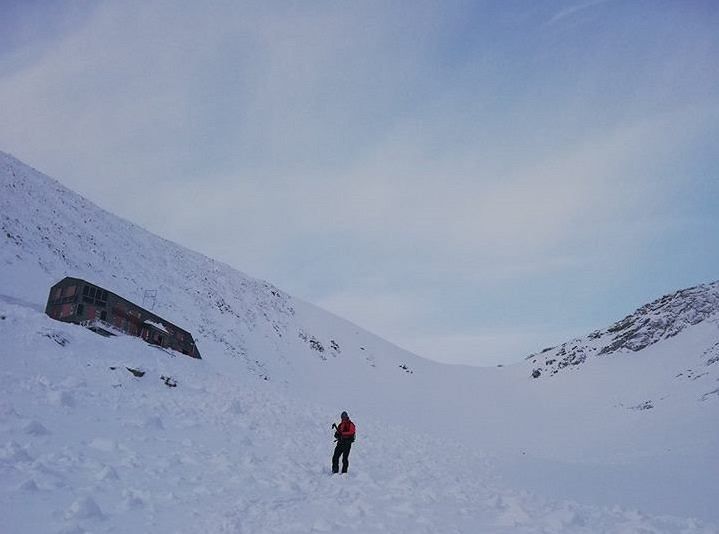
x: 345, y: 436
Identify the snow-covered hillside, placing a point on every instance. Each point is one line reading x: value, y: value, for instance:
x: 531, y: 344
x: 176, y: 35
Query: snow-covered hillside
x: 50, y: 232
x: 662, y: 319
x: 240, y: 441
x: 88, y: 446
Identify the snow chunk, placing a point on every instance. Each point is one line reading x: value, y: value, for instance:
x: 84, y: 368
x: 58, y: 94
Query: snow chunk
x: 512, y: 511
x: 84, y: 508
x: 133, y: 498
x: 13, y: 453
x: 107, y: 473
x: 29, y: 485
x: 35, y: 428
x: 47, y: 477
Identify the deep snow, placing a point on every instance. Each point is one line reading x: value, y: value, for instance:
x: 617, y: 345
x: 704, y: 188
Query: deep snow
x: 89, y: 447
x: 242, y: 443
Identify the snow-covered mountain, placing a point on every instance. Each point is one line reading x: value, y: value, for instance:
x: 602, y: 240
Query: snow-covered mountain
x: 50, y: 232
x: 662, y: 319
x: 112, y: 435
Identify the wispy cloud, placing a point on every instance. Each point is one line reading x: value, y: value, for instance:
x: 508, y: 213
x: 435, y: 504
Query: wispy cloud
x: 574, y: 9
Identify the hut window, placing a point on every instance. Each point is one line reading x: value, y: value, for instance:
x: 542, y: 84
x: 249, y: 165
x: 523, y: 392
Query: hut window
x: 69, y: 291
x: 56, y: 293
x: 94, y: 295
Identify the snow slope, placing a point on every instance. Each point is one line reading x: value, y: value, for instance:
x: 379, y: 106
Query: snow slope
x: 242, y: 442
x: 90, y: 447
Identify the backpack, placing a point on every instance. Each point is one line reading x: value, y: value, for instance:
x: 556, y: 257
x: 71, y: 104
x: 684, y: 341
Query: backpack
x: 338, y: 435
x: 352, y: 439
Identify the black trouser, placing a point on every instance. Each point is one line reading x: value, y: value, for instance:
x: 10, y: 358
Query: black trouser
x: 343, y: 449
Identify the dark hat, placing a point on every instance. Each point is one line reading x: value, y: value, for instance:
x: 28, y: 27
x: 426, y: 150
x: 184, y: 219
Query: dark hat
x: 344, y: 415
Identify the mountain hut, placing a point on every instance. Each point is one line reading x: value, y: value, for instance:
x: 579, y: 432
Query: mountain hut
x: 74, y: 300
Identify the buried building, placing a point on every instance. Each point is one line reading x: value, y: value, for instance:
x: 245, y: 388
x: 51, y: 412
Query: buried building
x: 76, y: 301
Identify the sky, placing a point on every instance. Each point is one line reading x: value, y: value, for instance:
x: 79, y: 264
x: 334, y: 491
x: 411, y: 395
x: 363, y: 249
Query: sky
x: 473, y: 181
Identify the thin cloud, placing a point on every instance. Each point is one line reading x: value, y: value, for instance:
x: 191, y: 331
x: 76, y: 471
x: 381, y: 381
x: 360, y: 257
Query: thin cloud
x: 573, y: 10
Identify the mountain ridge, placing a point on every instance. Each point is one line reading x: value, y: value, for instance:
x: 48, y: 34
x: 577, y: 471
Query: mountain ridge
x: 661, y: 319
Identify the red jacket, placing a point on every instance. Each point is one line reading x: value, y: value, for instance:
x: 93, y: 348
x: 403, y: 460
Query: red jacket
x: 346, y: 430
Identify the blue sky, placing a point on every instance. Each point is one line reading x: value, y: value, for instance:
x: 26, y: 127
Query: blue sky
x: 471, y: 180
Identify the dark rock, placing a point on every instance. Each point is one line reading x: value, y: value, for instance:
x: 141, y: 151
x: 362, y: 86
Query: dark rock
x: 169, y: 381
